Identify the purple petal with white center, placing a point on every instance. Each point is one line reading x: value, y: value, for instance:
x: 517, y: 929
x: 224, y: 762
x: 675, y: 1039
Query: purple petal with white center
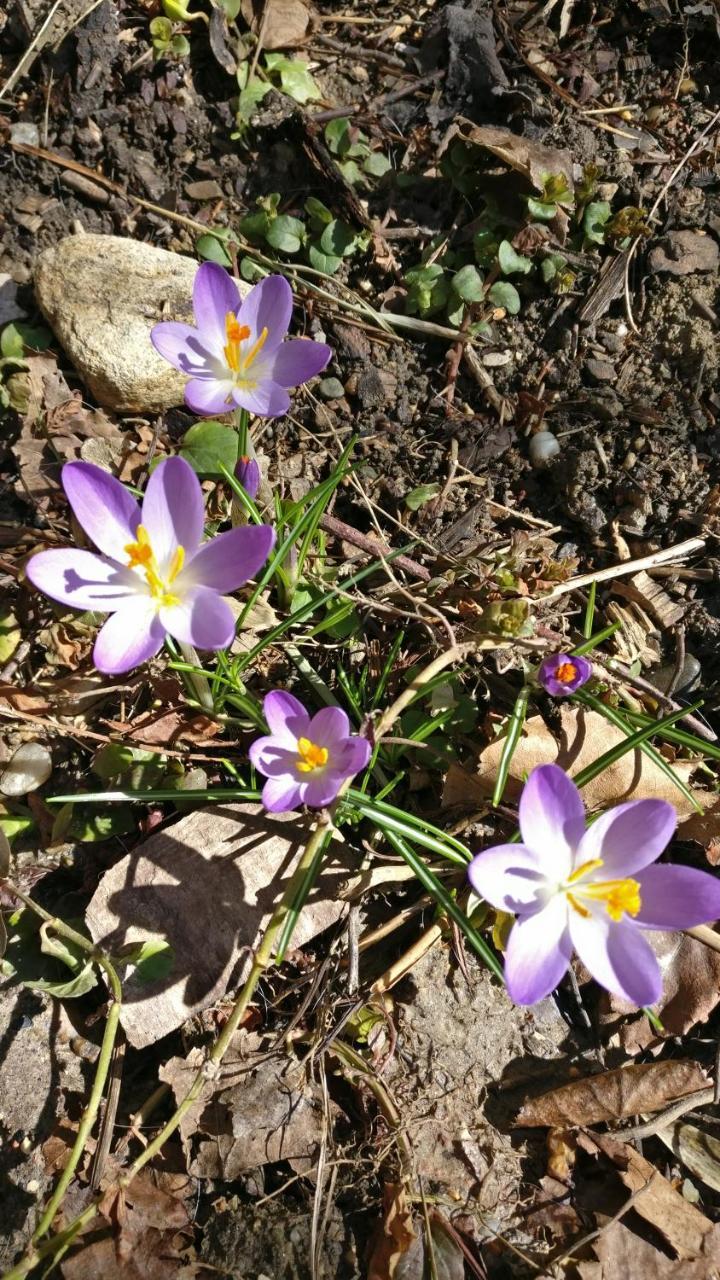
x: 552, y: 818
x: 273, y: 758
x: 210, y: 395
x: 230, y: 559
x: 214, y: 294
x: 329, y: 727
x: 286, y: 716
x: 202, y: 618
x: 617, y: 956
x: 322, y: 789
x: 268, y: 306
x: 182, y: 346
x: 281, y: 794
x: 266, y: 400
x: 102, y: 505
x: 130, y: 637
x: 677, y: 898
x: 628, y: 837
x: 173, y: 511
x: 352, y: 756
x: 298, y: 360
x: 510, y: 877
x: 83, y: 580
x: 538, y: 953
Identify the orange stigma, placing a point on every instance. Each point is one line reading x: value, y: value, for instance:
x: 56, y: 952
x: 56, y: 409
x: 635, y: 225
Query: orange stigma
x: 566, y: 672
x: 235, y: 334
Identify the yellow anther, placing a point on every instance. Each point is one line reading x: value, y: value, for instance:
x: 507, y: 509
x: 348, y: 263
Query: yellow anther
x: 255, y: 349
x: 140, y: 551
x: 235, y: 334
x: 566, y: 672
x: 176, y: 564
x: 617, y: 896
x: 141, y: 556
x: 311, y: 756
x: 584, y: 870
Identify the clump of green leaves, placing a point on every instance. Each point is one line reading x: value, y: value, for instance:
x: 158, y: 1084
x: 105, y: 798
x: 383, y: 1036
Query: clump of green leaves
x: 15, y: 341
x: 167, y: 41
x: 291, y: 75
x: 351, y: 149
x: 324, y: 239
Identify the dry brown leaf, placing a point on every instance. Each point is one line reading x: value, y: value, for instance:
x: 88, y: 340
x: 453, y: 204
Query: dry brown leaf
x: 285, y: 23
x: 533, y: 160
x: 166, y: 728
x: 251, y: 1114
x: 583, y: 737
x: 691, y: 990
x: 396, y: 1241
x: 683, y: 1226
x: 614, y: 1095
x: 697, y: 1150
x: 208, y: 886
x: 621, y: 1253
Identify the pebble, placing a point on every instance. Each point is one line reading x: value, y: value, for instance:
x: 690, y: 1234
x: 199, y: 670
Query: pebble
x: 496, y: 359
x: 101, y: 295
x: 331, y: 389
x: 543, y: 447
x: 29, y: 767
x: 208, y: 189
x: 600, y: 370
x: 26, y: 133
x: 682, y: 252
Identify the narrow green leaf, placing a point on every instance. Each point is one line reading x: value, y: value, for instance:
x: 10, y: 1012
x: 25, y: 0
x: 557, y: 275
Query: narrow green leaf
x: 512, y: 738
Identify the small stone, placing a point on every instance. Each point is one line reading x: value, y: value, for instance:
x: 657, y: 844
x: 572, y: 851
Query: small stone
x: 543, y: 447
x: 9, y: 309
x: 102, y: 295
x: 28, y: 769
x: 374, y: 390
x: 207, y: 190
x: 331, y: 389
x: 496, y: 359
x: 26, y: 133
x: 682, y: 252
x: 600, y: 370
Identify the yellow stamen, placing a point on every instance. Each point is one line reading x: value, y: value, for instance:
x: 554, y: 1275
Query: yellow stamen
x: 566, y: 672
x: 140, y: 551
x: 311, y: 755
x: 176, y: 564
x: 584, y: 870
x: 255, y: 348
x: 141, y: 556
x: 617, y: 896
x: 235, y: 334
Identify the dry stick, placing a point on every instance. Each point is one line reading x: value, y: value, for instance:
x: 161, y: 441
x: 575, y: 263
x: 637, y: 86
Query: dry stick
x: 30, y: 53
x: 665, y: 1118
x: 261, y: 962
x: 345, y: 531
x: 626, y: 566
x: 706, y: 934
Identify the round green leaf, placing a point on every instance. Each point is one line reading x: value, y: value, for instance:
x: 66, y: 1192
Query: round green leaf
x: 504, y: 294
x: 285, y: 233
x: 338, y: 239
x: 511, y: 262
x: 325, y: 262
x: 210, y: 249
x: 467, y: 283
x: 208, y: 445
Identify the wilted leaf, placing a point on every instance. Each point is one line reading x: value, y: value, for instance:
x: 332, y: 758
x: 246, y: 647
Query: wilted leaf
x: 530, y: 158
x: 623, y: 1253
x: 614, y: 1095
x: 285, y: 22
x: 10, y: 635
x: 396, y: 1238
x: 207, y: 885
x: 152, y: 1236
x: 4, y: 855
x: 698, y: 1151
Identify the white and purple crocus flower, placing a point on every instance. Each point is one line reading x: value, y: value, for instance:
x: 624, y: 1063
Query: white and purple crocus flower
x: 305, y: 759
x: 152, y: 575
x: 237, y: 356
x: 590, y: 891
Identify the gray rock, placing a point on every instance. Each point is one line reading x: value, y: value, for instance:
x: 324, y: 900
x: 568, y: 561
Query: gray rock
x: 331, y: 389
x: 102, y: 295
x: 600, y: 370
x: 682, y: 252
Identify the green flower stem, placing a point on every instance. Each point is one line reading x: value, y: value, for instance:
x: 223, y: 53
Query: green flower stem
x: 242, y: 422
x: 197, y: 682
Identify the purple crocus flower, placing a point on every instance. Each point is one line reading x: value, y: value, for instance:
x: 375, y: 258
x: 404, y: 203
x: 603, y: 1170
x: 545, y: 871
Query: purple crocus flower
x: 236, y: 355
x: 247, y: 473
x: 590, y: 891
x: 305, y: 760
x: 152, y: 575
x: 562, y: 673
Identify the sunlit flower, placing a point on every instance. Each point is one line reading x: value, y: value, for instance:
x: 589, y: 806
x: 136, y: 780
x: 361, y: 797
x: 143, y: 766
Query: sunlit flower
x: 152, y: 575
x: 590, y: 891
x: 561, y: 674
x: 237, y: 354
x: 247, y: 473
x: 305, y: 760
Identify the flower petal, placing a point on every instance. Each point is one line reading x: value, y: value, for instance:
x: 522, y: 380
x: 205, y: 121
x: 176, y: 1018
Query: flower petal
x: 268, y: 306
x: 265, y: 400
x: 286, y: 716
x: 552, y: 818
x: 329, y: 727
x: 628, y: 837
x: 538, y: 953
x: 102, y: 505
x: 281, y: 794
x: 273, y: 757
x: 322, y: 789
x: 202, y: 618
x: 210, y: 395
x: 510, y: 877
x: 182, y: 346
x: 299, y: 360
x: 173, y: 511
x: 130, y: 637
x: 229, y: 559
x: 214, y: 294
x: 618, y: 956
x: 677, y: 898
x: 83, y: 580
x: 352, y: 756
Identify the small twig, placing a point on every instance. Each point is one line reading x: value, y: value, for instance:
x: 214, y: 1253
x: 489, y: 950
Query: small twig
x: 705, y: 934
x: 345, y: 531
x: 627, y: 566
x: 30, y: 53
x: 664, y: 1119
x: 107, y: 1123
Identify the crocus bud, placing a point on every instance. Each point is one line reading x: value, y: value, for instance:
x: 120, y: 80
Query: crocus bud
x: 247, y: 473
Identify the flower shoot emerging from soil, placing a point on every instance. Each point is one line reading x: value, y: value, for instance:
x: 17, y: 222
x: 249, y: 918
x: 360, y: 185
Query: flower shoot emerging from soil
x: 237, y: 356
x: 590, y: 891
x: 247, y: 473
x: 304, y: 759
x: 561, y: 674
x: 152, y: 575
